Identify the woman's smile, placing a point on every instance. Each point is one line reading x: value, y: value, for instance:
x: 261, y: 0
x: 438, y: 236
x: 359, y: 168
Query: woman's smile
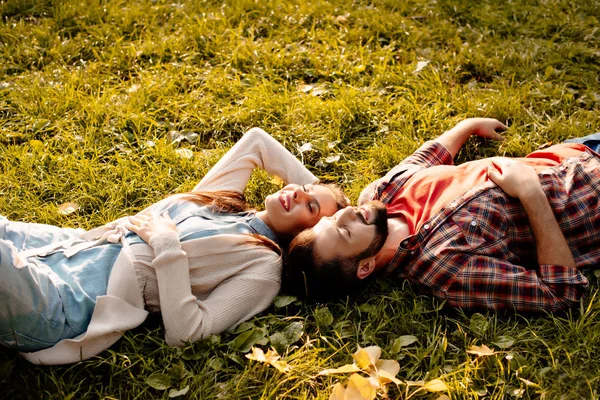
x: 284, y: 198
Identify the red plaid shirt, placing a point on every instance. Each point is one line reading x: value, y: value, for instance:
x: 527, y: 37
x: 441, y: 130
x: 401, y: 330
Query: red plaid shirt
x: 479, y: 251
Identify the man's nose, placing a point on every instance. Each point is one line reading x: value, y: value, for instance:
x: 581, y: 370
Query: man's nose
x: 347, y: 214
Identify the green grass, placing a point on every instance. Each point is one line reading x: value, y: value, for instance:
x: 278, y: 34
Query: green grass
x: 92, y: 93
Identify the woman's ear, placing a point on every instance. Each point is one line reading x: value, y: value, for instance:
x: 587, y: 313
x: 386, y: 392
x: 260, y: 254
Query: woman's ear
x: 365, y: 267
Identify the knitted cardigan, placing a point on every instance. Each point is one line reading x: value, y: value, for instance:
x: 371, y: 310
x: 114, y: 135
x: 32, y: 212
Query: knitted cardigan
x: 235, y: 278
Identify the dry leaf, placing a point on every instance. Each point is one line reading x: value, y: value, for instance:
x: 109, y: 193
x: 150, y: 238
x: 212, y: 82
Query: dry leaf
x: 305, y: 88
x: 341, y: 370
x: 367, y: 356
x: 277, y: 180
x: 436, y: 385
x: 359, y: 388
x: 68, y: 208
x: 185, y: 153
x: 420, y: 66
x: 338, y: 392
x: 387, y: 371
x: 480, y: 351
x: 270, y: 358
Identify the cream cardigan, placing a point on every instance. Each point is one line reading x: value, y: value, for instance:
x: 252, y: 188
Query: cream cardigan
x: 203, y: 286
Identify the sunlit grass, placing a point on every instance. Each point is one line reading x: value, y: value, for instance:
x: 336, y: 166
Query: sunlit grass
x: 93, y: 93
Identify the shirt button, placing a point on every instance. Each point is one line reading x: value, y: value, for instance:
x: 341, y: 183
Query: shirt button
x: 405, y: 243
x: 473, y: 223
x: 412, y: 252
x: 426, y: 226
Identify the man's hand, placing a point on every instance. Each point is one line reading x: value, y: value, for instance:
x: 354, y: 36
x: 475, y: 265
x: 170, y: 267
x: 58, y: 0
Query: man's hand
x: 521, y: 181
x: 147, y: 225
x: 516, y: 179
x: 484, y: 127
x: 487, y: 128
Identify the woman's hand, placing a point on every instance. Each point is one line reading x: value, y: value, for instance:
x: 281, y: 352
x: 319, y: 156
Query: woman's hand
x: 516, y: 179
x: 148, y: 225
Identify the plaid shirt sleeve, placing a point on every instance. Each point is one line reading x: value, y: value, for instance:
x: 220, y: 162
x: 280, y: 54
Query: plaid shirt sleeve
x: 430, y: 154
x: 489, y: 282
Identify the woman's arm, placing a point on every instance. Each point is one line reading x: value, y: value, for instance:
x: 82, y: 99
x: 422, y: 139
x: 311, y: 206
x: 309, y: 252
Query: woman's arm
x: 187, y: 318
x: 255, y: 149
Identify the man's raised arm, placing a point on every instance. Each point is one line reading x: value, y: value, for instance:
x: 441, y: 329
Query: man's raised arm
x: 456, y: 137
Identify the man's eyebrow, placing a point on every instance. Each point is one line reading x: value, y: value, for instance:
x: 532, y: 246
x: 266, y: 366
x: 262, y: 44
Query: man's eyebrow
x: 344, y: 238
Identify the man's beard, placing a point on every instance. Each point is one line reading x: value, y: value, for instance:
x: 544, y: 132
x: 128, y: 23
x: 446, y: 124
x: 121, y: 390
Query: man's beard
x: 381, y: 228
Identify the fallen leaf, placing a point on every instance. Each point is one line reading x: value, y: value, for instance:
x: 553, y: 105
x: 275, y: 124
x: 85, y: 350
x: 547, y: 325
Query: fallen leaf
x: 185, y: 153
x: 504, y: 342
x: 305, y: 88
x: 177, y: 393
x: 388, y: 369
x: 68, y: 208
x: 359, y: 388
x: 420, y: 66
x: 436, y: 385
x: 271, y: 358
x: 367, y: 356
x: 338, y: 392
x: 480, y: 351
x: 344, y: 369
x: 305, y: 147
x: 332, y: 159
x: 277, y: 181
x: 159, y: 381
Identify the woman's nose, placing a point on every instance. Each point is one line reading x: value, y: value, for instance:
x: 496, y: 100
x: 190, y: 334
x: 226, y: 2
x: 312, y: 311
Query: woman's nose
x: 300, y: 195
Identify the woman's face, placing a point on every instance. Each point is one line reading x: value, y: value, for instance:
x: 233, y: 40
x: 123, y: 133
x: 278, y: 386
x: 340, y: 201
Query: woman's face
x: 295, y: 208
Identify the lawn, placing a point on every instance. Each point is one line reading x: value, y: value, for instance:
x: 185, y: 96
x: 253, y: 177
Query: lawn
x: 107, y: 106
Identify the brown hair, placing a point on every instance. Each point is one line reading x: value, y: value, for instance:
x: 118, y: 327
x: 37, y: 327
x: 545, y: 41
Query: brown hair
x: 304, y: 276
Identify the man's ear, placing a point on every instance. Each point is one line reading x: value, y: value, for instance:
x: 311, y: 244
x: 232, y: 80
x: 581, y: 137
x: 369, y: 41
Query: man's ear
x: 365, y: 267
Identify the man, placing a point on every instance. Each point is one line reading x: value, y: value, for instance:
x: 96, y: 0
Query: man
x: 495, y: 233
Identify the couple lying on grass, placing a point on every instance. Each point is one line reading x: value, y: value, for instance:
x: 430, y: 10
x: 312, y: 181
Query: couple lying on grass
x: 496, y: 233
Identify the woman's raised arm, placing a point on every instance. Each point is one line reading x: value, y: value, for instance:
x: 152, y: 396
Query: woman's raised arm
x: 256, y: 149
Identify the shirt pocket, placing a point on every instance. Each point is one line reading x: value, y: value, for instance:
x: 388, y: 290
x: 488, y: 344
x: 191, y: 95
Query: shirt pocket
x: 483, y: 227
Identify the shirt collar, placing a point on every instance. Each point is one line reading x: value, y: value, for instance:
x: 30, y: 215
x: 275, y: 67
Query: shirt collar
x: 261, y: 228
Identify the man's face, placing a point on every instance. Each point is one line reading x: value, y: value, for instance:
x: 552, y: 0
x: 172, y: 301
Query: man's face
x: 350, y: 232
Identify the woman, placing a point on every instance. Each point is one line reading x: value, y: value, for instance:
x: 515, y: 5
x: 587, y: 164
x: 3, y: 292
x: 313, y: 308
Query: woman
x: 68, y: 294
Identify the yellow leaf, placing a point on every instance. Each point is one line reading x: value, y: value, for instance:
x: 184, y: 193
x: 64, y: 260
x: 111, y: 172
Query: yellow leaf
x: 338, y: 392
x: 436, y: 385
x: 479, y: 351
x: 277, y: 181
x: 443, y: 397
x: 270, y: 358
x: 359, y: 388
x: 367, y: 357
x: 257, y: 355
x: 281, y: 366
x: 385, y: 378
x: 68, y: 208
x: 391, y: 367
x: 341, y: 370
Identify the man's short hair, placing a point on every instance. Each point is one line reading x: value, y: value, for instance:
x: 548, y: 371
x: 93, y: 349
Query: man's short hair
x: 315, y: 280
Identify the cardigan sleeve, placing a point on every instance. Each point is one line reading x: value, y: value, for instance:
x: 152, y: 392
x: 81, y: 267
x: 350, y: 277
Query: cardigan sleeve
x: 187, y: 318
x: 255, y: 149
